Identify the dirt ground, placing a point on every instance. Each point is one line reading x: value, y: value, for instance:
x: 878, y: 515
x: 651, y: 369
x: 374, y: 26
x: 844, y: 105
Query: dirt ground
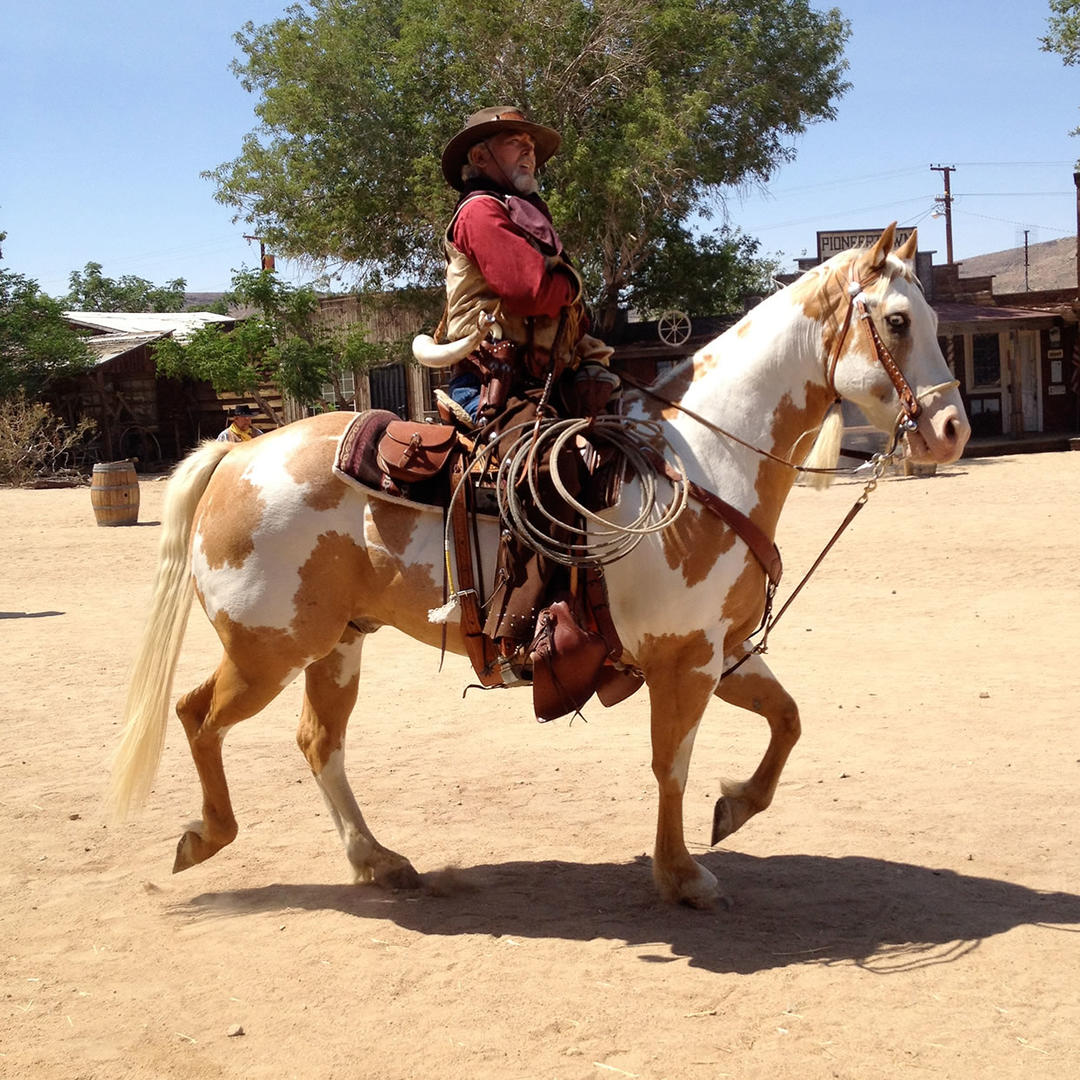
x: 910, y: 903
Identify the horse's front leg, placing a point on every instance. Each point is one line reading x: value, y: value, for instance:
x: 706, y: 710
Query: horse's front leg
x: 680, y: 687
x: 753, y: 686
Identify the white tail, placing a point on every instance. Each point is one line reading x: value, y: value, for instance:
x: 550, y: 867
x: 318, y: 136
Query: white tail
x: 146, y: 710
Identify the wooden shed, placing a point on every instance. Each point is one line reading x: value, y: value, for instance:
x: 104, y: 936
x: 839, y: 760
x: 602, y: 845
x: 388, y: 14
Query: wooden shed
x: 140, y: 414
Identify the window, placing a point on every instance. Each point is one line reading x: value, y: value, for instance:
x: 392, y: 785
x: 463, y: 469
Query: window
x: 985, y: 360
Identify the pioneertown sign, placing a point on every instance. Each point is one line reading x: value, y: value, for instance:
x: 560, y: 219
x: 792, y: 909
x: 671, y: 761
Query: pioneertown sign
x: 832, y: 243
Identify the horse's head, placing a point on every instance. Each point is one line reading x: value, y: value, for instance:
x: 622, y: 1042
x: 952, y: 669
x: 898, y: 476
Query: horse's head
x: 882, y: 352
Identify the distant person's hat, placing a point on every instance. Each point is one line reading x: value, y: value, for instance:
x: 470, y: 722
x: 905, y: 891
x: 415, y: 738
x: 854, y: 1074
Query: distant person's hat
x: 494, y: 121
x: 244, y: 410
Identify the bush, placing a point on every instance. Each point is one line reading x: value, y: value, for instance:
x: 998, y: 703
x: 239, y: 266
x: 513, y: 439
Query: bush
x: 38, y: 448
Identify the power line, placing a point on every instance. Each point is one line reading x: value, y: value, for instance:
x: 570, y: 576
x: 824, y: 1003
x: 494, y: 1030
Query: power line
x: 1004, y: 194
x: 1021, y: 224
x: 986, y: 164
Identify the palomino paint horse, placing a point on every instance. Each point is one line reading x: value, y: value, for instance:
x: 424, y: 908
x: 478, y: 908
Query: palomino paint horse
x: 295, y: 568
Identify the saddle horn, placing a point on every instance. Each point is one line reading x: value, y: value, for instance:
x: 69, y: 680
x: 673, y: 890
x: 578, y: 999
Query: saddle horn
x: 433, y: 355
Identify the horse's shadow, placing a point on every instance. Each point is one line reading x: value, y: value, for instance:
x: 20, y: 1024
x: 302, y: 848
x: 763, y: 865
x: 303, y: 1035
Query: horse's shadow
x: 788, y: 909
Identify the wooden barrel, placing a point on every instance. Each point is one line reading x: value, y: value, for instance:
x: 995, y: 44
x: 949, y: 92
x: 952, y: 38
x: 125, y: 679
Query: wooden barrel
x: 114, y: 493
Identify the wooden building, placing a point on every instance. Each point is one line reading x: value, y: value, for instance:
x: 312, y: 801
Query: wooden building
x: 138, y: 413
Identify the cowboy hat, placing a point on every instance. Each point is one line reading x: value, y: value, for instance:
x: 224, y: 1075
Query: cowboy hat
x: 493, y: 121
x: 244, y: 410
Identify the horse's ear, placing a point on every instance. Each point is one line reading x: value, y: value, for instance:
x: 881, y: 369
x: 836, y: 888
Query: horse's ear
x: 906, y: 250
x: 880, y: 251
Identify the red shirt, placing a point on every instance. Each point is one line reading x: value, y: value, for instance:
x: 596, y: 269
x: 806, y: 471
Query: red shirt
x: 513, y: 268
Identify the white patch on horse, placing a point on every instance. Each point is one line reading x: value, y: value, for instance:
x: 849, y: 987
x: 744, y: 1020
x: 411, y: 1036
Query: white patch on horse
x: 344, y: 810
x: 261, y: 592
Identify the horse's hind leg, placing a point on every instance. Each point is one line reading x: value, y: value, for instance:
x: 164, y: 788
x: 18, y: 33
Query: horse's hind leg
x: 329, y: 697
x: 207, y: 713
x: 754, y: 687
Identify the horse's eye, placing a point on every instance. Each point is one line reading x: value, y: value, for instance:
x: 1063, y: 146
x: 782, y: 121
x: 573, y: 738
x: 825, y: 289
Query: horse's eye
x: 898, y: 322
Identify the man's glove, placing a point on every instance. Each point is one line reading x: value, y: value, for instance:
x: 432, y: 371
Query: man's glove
x: 594, y: 385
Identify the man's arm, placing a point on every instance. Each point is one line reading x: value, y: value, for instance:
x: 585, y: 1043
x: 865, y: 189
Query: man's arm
x: 513, y: 268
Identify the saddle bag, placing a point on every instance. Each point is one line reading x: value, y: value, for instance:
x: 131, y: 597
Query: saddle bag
x: 566, y: 662
x: 411, y: 453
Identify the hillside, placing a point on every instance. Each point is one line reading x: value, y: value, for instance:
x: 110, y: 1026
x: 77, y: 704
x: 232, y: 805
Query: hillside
x: 1051, y: 265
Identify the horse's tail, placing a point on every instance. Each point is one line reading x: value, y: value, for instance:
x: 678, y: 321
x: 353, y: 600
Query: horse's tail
x: 146, y: 710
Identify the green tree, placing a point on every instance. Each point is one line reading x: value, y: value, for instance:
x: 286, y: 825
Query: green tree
x: 1063, y: 26
x: 36, y: 344
x: 706, y: 275
x: 663, y: 105
x: 90, y: 290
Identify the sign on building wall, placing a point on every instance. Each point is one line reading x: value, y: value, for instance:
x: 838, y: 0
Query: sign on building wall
x: 832, y: 243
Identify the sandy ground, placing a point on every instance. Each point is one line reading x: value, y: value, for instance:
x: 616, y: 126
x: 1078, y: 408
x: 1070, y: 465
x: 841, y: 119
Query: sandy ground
x: 909, y: 905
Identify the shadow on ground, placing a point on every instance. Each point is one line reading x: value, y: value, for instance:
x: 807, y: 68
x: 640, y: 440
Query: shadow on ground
x: 787, y: 909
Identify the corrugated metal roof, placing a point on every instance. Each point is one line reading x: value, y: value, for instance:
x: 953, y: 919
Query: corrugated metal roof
x: 106, y: 347
x: 956, y: 317
x: 181, y: 324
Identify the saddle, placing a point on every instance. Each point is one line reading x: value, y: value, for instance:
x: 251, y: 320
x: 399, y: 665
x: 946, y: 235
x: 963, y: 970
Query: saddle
x: 575, y: 650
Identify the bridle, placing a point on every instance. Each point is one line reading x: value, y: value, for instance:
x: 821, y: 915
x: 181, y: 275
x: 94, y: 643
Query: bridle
x: 859, y: 307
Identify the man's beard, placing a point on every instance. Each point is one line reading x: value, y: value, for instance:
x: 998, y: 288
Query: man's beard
x: 524, y: 182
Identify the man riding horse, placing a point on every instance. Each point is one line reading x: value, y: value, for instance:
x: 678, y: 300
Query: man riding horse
x: 505, y: 262
x: 508, y: 274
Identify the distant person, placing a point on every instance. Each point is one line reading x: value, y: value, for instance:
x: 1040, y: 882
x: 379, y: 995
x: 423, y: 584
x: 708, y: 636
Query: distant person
x: 241, y: 429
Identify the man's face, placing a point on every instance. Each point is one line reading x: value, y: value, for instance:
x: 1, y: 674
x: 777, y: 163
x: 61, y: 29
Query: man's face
x: 243, y: 422
x: 509, y: 159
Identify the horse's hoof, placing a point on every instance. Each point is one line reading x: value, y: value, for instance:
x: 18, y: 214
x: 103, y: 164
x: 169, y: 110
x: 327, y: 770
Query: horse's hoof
x: 185, y: 856
x: 723, y: 821
x: 401, y: 876
x: 698, y: 889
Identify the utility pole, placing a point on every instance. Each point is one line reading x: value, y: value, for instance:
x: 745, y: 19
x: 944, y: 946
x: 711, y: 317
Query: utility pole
x: 266, y: 262
x: 1027, y: 263
x: 1076, y: 181
x: 946, y: 202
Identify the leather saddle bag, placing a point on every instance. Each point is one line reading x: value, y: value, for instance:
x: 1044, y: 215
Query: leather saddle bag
x: 411, y: 452
x: 566, y: 662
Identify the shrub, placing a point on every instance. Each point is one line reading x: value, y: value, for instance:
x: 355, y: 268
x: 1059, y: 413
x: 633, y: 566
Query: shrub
x: 38, y: 448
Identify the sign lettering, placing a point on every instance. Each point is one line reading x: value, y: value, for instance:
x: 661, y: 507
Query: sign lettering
x: 832, y: 243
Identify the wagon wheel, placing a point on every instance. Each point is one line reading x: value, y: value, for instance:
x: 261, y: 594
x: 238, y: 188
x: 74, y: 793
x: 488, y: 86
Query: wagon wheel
x: 141, y: 445
x: 673, y: 327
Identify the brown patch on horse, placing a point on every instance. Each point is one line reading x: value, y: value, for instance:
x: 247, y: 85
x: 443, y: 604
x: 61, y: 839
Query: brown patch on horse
x: 794, y: 428
x: 266, y: 654
x: 672, y: 662
x: 694, y: 543
x: 673, y: 389
x: 744, y: 327
x: 327, y: 578
x: 744, y: 604
x: 391, y: 524
x: 228, y: 517
x: 325, y: 491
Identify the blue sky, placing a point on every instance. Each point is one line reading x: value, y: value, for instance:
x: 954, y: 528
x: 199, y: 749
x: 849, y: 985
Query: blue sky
x: 111, y: 109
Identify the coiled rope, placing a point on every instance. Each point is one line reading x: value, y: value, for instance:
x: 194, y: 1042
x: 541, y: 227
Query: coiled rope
x: 598, y: 542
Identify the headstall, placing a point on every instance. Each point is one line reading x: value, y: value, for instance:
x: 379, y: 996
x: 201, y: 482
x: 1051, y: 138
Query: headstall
x: 910, y: 406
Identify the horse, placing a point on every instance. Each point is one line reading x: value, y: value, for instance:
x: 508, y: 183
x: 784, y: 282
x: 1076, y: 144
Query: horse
x: 295, y: 568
